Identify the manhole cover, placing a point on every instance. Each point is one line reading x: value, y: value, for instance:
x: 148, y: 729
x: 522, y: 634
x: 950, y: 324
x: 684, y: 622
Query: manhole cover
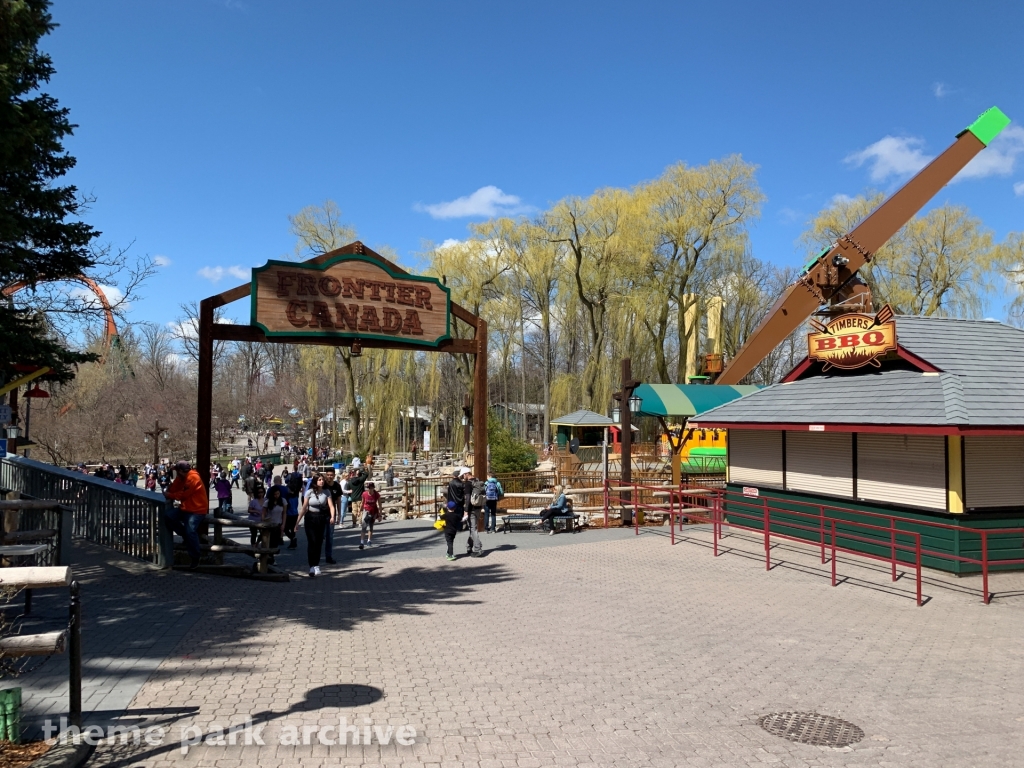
x: 812, y: 728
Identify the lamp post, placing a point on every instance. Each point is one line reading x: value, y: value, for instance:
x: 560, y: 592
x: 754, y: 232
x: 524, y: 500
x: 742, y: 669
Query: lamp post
x: 11, y: 431
x: 33, y: 394
x: 629, y: 404
x: 157, y: 432
x: 467, y: 420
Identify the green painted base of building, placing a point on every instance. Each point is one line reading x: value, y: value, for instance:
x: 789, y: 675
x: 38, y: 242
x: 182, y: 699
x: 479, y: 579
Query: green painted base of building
x: 943, y: 544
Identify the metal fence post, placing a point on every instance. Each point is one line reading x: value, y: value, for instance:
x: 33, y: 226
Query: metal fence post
x: 165, y: 541
x: 767, y: 538
x: 892, y: 545
x: 984, y: 566
x: 75, y: 657
x: 833, y: 551
x: 66, y: 523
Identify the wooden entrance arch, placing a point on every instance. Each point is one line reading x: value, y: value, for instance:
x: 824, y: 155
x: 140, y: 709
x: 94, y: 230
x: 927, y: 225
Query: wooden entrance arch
x: 394, y: 323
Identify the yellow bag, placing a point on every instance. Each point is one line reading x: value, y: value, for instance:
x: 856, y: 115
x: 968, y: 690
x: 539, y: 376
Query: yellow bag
x: 439, y: 524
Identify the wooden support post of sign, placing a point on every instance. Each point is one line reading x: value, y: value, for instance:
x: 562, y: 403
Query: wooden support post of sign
x: 204, y: 416
x: 480, y: 405
x: 315, y: 302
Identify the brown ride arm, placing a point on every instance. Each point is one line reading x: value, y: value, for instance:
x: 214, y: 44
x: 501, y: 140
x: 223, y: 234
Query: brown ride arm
x: 820, y: 282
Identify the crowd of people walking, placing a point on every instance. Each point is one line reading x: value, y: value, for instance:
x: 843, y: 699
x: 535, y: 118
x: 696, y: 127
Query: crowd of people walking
x: 297, y: 496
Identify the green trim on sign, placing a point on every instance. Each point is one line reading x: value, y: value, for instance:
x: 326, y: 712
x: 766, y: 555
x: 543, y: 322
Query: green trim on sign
x: 351, y: 334
x: 989, y: 124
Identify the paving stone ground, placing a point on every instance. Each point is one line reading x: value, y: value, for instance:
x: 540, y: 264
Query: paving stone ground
x: 600, y: 649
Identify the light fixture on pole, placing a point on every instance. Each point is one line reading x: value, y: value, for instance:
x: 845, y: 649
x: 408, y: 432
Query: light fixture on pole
x: 13, y: 431
x: 615, y: 414
x: 35, y: 393
x: 635, y: 403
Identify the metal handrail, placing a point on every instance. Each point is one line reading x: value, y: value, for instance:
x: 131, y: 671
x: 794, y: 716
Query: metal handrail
x: 115, y: 515
x: 828, y: 530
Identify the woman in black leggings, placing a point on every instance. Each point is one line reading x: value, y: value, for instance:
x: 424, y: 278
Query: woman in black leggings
x: 318, y: 509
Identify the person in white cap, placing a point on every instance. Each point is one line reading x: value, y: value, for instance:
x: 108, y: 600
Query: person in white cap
x: 476, y: 500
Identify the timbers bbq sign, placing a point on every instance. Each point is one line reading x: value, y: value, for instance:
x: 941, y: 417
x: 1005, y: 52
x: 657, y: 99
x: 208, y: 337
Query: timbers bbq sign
x: 349, y: 297
x: 853, y: 340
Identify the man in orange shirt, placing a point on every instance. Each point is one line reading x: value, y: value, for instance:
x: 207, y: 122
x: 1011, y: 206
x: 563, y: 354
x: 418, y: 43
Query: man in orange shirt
x: 188, y: 489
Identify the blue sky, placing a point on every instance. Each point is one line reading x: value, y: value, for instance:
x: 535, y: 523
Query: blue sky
x: 204, y: 123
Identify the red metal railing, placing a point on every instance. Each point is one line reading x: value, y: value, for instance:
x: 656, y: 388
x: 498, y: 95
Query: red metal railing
x: 892, y: 521
x: 827, y: 536
x: 707, y: 505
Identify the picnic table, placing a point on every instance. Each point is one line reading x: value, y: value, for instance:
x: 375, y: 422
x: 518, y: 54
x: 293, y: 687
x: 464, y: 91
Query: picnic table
x: 262, y: 568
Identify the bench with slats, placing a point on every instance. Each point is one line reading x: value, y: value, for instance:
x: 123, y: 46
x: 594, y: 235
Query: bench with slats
x: 570, y: 521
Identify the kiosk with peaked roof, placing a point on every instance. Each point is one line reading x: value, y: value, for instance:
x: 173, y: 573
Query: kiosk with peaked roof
x: 588, y: 427
x: 932, y: 429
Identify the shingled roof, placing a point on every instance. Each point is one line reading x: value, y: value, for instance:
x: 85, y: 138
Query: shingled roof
x: 980, y: 383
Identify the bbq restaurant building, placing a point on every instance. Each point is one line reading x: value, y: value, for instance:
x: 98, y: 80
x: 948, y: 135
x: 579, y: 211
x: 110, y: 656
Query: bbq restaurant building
x: 929, y: 428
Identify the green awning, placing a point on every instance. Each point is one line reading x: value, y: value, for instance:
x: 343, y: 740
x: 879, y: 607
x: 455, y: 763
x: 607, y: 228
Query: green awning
x: 687, y: 400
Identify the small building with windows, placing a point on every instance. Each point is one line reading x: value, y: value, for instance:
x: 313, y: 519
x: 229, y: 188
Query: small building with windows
x: 929, y: 424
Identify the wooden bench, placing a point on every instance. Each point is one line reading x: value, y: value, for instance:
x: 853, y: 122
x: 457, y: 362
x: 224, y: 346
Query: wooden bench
x: 29, y: 537
x: 570, y: 519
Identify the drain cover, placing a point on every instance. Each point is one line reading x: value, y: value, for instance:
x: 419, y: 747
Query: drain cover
x: 811, y: 728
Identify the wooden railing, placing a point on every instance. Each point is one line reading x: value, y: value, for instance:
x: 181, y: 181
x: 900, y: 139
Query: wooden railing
x: 117, y: 516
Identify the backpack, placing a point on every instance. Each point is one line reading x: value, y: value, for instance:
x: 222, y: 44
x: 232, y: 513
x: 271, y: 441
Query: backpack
x: 493, y: 490
x: 478, y: 497
x: 294, y: 483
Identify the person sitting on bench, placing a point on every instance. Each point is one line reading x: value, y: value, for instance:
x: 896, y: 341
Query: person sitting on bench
x: 557, y: 507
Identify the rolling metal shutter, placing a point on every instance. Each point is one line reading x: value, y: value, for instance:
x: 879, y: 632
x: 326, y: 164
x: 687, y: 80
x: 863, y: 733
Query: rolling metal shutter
x: 902, y: 469
x: 994, y: 471
x: 820, y: 462
x: 755, y: 457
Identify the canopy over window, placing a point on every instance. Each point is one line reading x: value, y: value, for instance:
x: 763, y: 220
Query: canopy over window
x: 686, y: 400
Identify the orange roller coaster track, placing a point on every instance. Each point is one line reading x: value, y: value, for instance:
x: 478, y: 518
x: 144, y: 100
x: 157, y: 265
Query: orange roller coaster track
x: 110, y: 327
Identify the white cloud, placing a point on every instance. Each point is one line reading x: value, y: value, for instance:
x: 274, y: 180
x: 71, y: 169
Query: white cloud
x: 161, y: 261
x: 87, y: 297
x: 1018, y: 189
x: 189, y: 328
x: 183, y: 329
x: 839, y: 197
x: 999, y: 157
x: 486, y: 202
x: 790, y: 215
x: 450, y: 242
x: 891, y: 156
x: 940, y: 90
x: 216, y: 274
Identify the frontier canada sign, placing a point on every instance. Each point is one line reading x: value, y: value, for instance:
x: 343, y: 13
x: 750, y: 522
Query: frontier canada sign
x: 350, y: 297
x: 854, y: 340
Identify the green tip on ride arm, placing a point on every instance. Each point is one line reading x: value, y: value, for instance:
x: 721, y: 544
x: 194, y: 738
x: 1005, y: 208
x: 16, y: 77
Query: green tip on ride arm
x: 989, y: 124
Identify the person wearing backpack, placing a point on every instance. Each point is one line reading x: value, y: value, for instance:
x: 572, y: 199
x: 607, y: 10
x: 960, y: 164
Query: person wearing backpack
x: 476, y: 495
x: 455, y: 509
x: 346, y: 497
x: 494, y: 493
x: 294, y: 497
x: 358, y: 485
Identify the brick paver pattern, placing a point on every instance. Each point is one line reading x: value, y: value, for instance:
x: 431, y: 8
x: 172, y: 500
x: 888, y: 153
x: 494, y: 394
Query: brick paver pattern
x: 600, y: 652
